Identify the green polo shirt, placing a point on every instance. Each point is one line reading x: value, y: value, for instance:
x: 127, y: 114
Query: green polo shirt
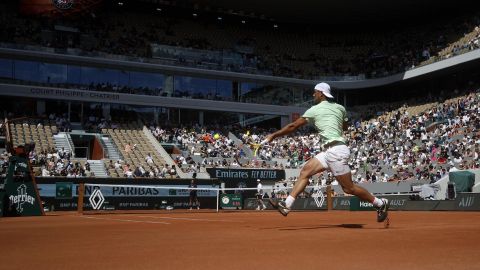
x: 328, y: 118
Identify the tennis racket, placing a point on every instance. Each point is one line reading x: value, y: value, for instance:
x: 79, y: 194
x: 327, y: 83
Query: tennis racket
x: 255, y: 147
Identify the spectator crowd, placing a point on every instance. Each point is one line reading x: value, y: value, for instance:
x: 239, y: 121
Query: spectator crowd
x: 390, y: 146
x: 393, y: 146
x: 369, y: 54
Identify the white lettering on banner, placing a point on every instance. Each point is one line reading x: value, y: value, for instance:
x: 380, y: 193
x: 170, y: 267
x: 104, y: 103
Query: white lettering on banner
x: 245, y: 174
x: 21, y: 164
x: 21, y: 198
x: 74, y: 93
x: 344, y: 202
x: 365, y: 204
x: 398, y: 202
x: 264, y: 174
x: 68, y: 204
x: 134, y: 191
x: 68, y: 93
x: 49, y: 190
x: 231, y: 174
x: 466, y: 201
x: 133, y: 204
x: 42, y: 91
x: 105, y: 96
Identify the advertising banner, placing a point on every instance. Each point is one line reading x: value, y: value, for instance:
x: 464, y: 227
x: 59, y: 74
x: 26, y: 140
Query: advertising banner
x: 357, y: 205
x: 63, y: 190
x: 20, y: 190
x: 341, y: 203
x: 64, y: 196
x: 245, y: 177
x: 130, y: 203
x: 231, y: 201
x: 464, y: 202
x: 300, y: 204
x: 70, y: 189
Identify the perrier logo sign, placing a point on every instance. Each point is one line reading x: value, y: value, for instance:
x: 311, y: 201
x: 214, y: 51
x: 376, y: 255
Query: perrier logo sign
x: 20, y: 189
x: 21, y: 198
x: 22, y: 166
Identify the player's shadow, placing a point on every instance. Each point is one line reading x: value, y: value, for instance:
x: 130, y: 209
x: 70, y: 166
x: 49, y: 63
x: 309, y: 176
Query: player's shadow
x: 326, y: 226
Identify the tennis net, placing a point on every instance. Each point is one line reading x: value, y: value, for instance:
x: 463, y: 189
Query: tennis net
x: 98, y: 198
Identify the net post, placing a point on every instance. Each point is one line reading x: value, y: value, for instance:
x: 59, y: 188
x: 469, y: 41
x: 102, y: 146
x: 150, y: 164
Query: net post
x: 81, y: 192
x: 329, y: 198
x: 218, y: 196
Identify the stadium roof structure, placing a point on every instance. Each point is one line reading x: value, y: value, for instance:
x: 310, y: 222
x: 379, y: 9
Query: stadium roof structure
x: 331, y: 11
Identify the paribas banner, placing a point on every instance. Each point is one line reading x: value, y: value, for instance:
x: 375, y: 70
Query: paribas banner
x: 51, y: 190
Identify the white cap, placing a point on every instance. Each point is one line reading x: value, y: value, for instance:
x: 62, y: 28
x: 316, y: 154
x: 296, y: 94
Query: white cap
x: 324, y: 88
x: 258, y: 180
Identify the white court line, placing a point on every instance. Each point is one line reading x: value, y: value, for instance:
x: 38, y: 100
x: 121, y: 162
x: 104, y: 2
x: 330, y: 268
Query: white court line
x: 193, y: 219
x: 128, y: 220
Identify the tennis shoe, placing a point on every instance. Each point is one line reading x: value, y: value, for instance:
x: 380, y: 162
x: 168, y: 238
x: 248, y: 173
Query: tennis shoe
x: 382, y: 212
x: 280, y: 206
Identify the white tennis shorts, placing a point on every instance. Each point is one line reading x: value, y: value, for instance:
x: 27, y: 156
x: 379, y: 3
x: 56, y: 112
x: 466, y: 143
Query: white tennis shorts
x: 335, y: 159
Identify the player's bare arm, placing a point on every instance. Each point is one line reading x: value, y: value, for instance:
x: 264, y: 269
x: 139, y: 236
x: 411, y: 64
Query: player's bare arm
x: 345, y: 125
x: 287, y: 129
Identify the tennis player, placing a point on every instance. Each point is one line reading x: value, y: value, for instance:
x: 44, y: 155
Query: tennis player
x: 193, y: 198
x: 259, y: 195
x: 330, y: 119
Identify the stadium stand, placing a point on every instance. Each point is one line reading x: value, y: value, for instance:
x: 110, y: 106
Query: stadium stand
x: 252, y: 48
x: 389, y: 141
x: 413, y: 142
x: 138, y: 158
x: 39, y: 132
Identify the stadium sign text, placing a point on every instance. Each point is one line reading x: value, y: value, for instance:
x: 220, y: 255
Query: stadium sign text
x: 398, y: 202
x: 21, y: 198
x: 245, y: 174
x: 73, y: 93
x: 466, y: 202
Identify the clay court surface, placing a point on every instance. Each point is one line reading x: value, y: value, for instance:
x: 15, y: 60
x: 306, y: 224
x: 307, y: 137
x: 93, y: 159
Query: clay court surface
x: 241, y: 240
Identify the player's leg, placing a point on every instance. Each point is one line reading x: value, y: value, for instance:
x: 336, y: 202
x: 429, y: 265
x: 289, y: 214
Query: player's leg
x: 190, y: 202
x: 349, y: 187
x: 262, y: 204
x: 197, y: 202
x: 312, y: 167
x: 337, y: 160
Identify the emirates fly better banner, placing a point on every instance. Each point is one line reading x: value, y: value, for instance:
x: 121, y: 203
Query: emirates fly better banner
x: 245, y: 177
